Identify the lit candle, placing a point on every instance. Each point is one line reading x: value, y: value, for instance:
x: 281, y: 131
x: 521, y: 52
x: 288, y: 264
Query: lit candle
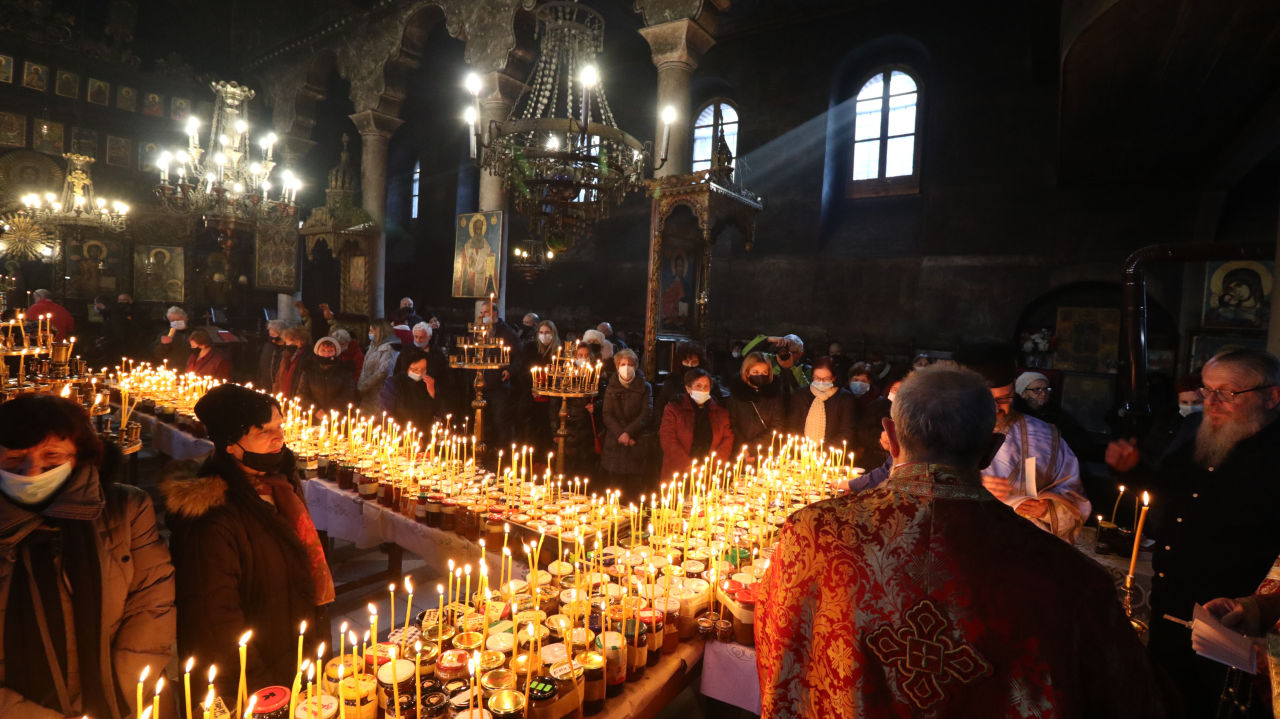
x: 302, y: 630
x: 1137, y: 534
x: 391, y: 623
x: 242, y: 694
x: 439, y: 618
x: 208, y: 704
x: 417, y: 673
x: 373, y: 623
x: 142, y: 678
x: 1116, y: 508
x: 186, y: 686
x: 213, y: 672
x: 408, y: 610
x: 342, y: 701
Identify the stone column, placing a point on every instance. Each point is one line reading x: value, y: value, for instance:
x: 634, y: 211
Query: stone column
x: 376, y: 129
x: 676, y: 47
x: 496, y: 98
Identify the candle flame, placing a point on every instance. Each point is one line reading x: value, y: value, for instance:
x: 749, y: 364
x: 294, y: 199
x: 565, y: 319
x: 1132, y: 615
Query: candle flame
x: 373, y: 611
x: 352, y: 637
x: 208, y: 700
x: 408, y: 585
x: 190, y: 663
x: 244, y: 638
x: 145, y: 672
x: 1146, y: 499
x: 213, y: 672
x: 320, y: 651
x: 342, y: 629
x: 302, y: 628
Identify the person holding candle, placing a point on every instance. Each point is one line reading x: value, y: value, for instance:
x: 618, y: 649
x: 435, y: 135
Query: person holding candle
x: 205, y: 360
x: 851, y: 623
x: 1057, y: 502
x: 86, y: 583
x: 1215, y: 499
x: 247, y: 554
x: 172, y: 346
x: 628, y: 419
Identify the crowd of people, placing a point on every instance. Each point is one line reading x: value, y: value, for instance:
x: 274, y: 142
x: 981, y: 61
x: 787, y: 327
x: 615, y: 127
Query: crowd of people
x: 941, y: 581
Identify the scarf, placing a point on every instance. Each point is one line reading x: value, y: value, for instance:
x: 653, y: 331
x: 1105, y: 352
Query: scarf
x: 277, y: 489
x: 37, y: 628
x: 815, y: 423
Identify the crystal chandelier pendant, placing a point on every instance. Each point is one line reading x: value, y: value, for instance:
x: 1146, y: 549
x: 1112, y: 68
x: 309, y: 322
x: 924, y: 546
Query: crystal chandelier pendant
x: 228, y: 179
x: 561, y: 154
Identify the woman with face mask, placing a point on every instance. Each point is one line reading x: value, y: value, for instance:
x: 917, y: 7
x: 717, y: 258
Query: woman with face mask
x: 694, y: 426
x: 207, y: 361
x: 824, y: 412
x: 689, y: 355
x: 80, y: 557
x: 584, y: 422
x: 327, y: 382
x: 293, y: 356
x: 628, y: 415
x: 410, y: 393
x: 379, y: 361
x: 246, y: 551
x: 531, y: 409
x: 757, y: 403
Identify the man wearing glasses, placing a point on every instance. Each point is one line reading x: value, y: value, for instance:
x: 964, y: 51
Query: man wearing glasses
x: 1054, y: 497
x: 1217, y: 503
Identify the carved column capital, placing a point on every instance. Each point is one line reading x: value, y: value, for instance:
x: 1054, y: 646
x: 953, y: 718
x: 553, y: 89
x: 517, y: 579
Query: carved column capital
x: 678, y: 43
x: 377, y: 124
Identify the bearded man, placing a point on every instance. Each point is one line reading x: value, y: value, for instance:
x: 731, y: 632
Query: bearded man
x: 1218, y: 493
x: 1054, y: 498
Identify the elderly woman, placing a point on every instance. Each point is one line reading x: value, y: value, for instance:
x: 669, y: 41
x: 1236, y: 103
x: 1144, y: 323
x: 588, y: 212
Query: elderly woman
x: 628, y: 415
x: 351, y: 351
x: 269, y: 355
x: 86, y: 579
x: 410, y: 393
x: 205, y: 360
x: 326, y: 382
x: 582, y: 422
x: 757, y: 403
x: 172, y: 345
x: 824, y: 412
x: 695, y: 425
x: 246, y: 551
x: 379, y: 362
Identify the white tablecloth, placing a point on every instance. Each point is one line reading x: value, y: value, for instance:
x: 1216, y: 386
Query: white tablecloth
x: 368, y: 524
x: 729, y: 675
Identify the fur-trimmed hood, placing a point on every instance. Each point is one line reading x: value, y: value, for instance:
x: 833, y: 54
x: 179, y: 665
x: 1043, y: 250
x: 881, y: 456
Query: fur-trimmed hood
x: 188, y: 495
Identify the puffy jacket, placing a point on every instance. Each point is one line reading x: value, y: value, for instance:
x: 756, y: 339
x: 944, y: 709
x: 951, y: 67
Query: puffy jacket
x: 407, y: 401
x: 379, y: 362
x: 138, y: 619
x: 677, y: 435
x: 326, y: 384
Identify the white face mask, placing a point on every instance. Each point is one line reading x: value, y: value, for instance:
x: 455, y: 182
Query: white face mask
x: 486, y: 320
x: 544, y: 338
x: 699, y: 397
x: 626, y: 372
x: 415, y: 376
x: 822, y: 386
x: 34, y: 490
x: 178, y: 324
x: 1186, y: 410
x: 859, y: 388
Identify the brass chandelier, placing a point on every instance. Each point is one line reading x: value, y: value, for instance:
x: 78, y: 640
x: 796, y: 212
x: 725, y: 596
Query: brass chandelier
x: 560, y: 153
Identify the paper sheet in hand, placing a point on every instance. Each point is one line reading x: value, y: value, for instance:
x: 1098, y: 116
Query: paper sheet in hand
x: 1212, y: 640
x: 1029, y: 478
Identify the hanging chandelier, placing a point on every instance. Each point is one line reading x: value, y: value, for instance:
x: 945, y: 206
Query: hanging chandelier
x: 530, y: 258
x: 228, y: 180
x: 560, y: 153
x: 77, y: 205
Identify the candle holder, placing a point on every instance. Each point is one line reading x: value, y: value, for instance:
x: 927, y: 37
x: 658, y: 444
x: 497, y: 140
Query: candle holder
x: 565, y: 379
x: 480, y: 351
x: 1126, y: 602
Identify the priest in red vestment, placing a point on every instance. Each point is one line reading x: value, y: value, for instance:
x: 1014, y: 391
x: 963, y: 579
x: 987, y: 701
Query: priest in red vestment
x: 928, y: 597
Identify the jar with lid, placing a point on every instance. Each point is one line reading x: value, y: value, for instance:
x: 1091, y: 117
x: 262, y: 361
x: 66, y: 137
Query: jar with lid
x: 569, y: 677
x: 368, y: 486
x: 359, y: 694
x: 506, y: 704
x: 434, y: 705
x: 408, y: 707
x: 452, y: 665
x: 637, y: 639
x: 434, y: 508
x: 593, y: 689
x: 613, y: 649
x: 654, y: 624
x: 496, y: 680
x: 420, y: 508
x: 346, y: 475
x: 319, y: 706
x: 449, y: 514
x: 543, y: 692
x: 396, y: 678
x: 744, y: 628
x: 468, y: 641
x: 272, y: 703
x: 671, y: 619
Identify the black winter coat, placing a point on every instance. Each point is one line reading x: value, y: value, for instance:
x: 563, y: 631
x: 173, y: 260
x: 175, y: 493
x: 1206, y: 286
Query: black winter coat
x: 408, y: 401
x: 238, y: 568
x: 627, y: 409
x: 327, y: 383
x: 842, y: 413
x: 755, y: 413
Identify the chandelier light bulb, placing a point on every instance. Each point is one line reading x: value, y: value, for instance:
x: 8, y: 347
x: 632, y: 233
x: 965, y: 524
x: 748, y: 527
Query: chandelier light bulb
x: 57, y: 206
x: 193, y: 125
x: 469, y: 115
x: 550, y: 255
x: 220, y: 159
x: 254, y: 168
x: 264, y: 144
x: 668, y: 115
x: 46, y: 251
x: 100, y: 202
x: 287, y: 176
x: 266, y: 187
x: 49, y: 197
x: 242, y: 126
x: 272, y: 139
x: 590, y: 76
x: 553, y: 143
x: 473, y: 83
x: 237, y: 188
x: 224, y: 140
x: 183, y: 157
x: 79, y: 201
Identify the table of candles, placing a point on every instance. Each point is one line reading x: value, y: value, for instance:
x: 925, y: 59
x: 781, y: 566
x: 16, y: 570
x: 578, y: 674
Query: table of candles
x: 594, y: 606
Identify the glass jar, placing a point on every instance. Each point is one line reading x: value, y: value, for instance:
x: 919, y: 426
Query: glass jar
x: 435, y: 506
x: 613, y: 649
x: 420, y: 509
x: 593, y: 689
x: 506, y: 704
x: 449, y: 514
x: 434, y: 705
x: 496, y: 680
x: 368, y: 486
x: 396, y: 678
x: 359, y: 694
x: 273, y: 703
x: 346, y: 476
x: 543, y: 692
x: 671, y: 620
x: 744, y: 631
x: 654, y: 624
x: 322, y: 706
x: 452, y: 665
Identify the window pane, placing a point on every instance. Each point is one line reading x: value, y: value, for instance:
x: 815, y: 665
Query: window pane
x: 731, y: 137
x: 873, y: 89
x: 867, y: 123
x: 900, y: 156
x: 702, y: 145
x: 866, y: 160
x: 901, y: 82
x: 728, y: 114
x: 706, y: 117
x: 902, y: 114
x: 701, y: 165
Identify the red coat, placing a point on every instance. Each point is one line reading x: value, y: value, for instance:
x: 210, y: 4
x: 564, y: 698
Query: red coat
x: 216, y: 364
x: 355, y: 356
x: 676, y: 434
x: 927, y: 597
x: 63, y: 323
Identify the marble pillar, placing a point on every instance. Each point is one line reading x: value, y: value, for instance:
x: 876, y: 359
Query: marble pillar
x: 499, y: 93
x: 376, y: 129
x: 676, y: 47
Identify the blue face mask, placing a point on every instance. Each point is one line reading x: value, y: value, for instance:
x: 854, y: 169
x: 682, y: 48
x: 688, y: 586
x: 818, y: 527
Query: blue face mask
x: 370, y: 336
x: 822, y: 386
x: 859, y: 388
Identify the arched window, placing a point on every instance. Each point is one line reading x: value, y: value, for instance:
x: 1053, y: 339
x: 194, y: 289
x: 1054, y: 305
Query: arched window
x: 885, y: 129
x: 413, y: 191
x: 717, y: 116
